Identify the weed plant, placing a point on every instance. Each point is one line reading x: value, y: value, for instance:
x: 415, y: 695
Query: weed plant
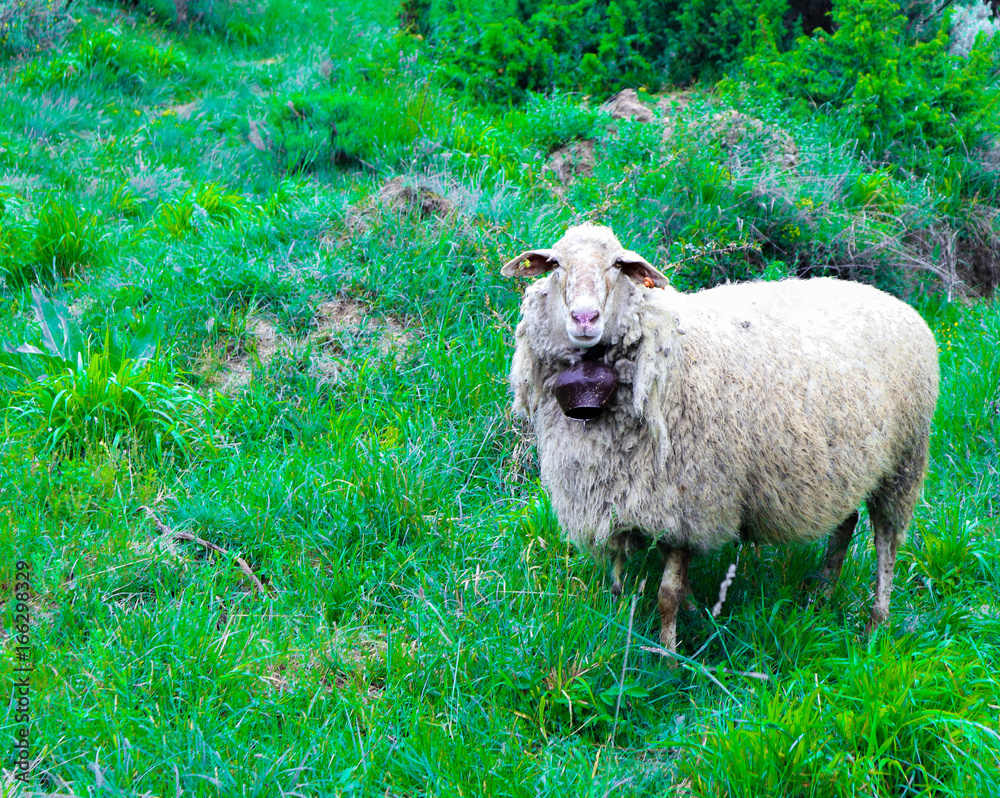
x: 254, y: 345
x: 72, y: 394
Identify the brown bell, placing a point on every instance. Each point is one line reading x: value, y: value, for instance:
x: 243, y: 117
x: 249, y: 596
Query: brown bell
x: 584, y: 389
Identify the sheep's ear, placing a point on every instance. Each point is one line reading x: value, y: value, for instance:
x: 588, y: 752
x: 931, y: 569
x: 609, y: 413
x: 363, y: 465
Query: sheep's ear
x: 639, y: 270
x: 531, y: 263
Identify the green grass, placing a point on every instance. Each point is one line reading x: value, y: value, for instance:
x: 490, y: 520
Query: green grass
x: 329, y: 403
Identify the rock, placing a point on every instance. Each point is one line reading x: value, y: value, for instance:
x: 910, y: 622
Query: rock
x: 626, y: 105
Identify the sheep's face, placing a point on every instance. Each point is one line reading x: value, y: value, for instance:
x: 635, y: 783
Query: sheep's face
x: 590, y: 268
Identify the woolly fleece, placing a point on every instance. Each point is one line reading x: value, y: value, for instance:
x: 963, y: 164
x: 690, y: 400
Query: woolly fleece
x: 767, y: 411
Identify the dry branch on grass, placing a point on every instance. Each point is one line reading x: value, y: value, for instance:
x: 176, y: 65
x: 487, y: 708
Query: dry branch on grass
x: 163, y: 529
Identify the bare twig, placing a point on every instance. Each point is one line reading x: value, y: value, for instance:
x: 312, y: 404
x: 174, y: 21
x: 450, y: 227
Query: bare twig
x: 502, y: 323
x: 724, y: 587
x: 163, y: 529
x: 605, y: 206
x: 728, y: 249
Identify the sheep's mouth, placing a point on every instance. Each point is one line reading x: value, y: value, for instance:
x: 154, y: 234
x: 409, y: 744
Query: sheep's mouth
x: 584, y: 341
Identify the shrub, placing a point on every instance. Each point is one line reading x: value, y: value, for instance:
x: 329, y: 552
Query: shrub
x: 177, y: 218
x: 904, y: 100
x: 553, y: 121
x: 308, y: 131
x: 237, y: 19
x: 501, y: 50
x: 714, y: 37
x: 108, y: 55
x: 219, y: 203
x: 193, y: 210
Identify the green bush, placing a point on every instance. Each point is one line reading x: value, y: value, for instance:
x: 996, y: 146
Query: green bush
x: 714, y: 37
x: 111, y: 56
x: 240, y: 20
x: 310, y: 131
x: 501, y: 50
x: 553, y: 121
x: 210, y: 203
x: 904, y: 100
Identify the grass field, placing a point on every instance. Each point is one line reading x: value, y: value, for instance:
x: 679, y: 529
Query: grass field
x: 249, y: 339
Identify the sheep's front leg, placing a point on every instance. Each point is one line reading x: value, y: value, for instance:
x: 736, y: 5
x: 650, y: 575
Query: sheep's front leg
x: 619, y: 567
x: 673, y: 588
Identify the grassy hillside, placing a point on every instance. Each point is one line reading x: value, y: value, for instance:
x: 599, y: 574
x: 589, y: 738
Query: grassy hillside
x: 251, y: 262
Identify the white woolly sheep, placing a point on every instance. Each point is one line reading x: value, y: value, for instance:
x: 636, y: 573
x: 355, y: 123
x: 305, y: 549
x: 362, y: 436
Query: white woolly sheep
x: 766, y: 412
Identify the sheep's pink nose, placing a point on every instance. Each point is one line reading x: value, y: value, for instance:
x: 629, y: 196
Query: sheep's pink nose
x: 585, y: 317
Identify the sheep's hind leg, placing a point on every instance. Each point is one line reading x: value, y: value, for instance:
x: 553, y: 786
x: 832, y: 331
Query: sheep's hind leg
x: 891, y: 510
x: 887, y: 540
x: 673, y: 588
x: 836, y: 551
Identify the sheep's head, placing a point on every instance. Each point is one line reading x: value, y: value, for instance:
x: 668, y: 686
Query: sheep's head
x: 591, y: 270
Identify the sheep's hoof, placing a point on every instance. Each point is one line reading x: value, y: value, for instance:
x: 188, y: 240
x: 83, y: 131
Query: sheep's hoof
x: 616, y: 590
x: 875, y: 620
x: 668, y: 646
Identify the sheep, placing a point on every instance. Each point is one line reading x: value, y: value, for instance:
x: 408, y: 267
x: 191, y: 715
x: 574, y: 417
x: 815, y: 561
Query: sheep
x: 764, y: 412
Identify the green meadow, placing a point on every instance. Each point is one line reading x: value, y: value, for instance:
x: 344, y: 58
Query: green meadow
x: 284, y: 535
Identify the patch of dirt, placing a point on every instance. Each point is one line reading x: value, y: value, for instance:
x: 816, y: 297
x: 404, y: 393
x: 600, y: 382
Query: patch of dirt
x: 575, y: 159
x: 182, y: 111
x: 398, y: 195
x: 674, y: 101
x: 80, y: 306
x: 238, y: 371
x: 338, y: 326
x: 277, y: 677
x: 342, y: 319
x: 359, y: 660
x: 626, y: 105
